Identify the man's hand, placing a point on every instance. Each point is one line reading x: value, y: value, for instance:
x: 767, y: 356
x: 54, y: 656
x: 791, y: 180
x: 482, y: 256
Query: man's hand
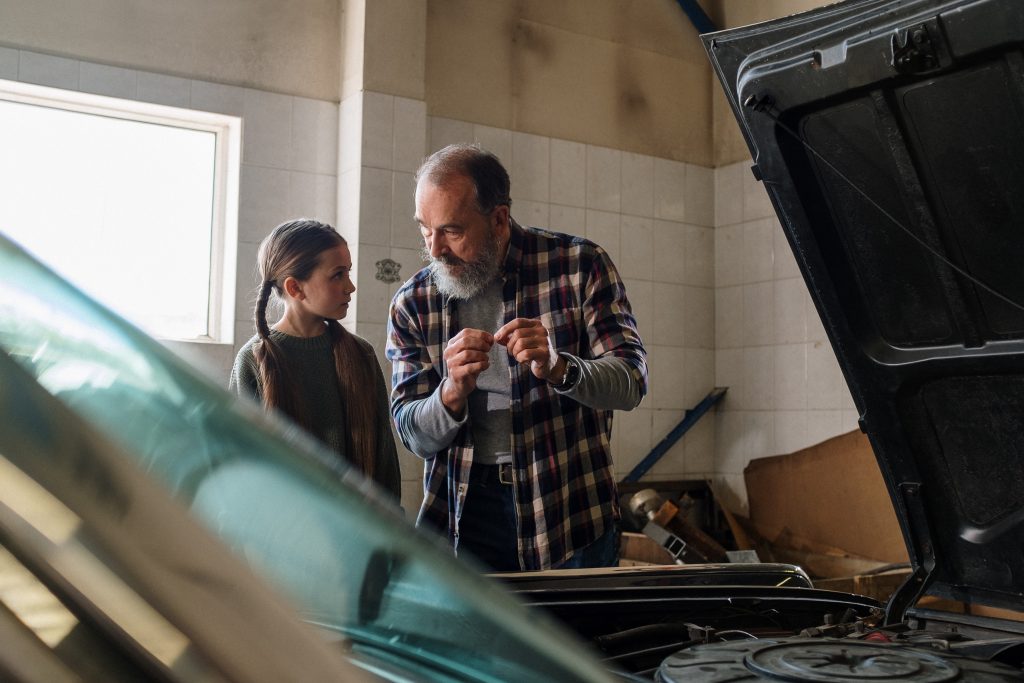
x: 466, y: 358
x: 527, y: 341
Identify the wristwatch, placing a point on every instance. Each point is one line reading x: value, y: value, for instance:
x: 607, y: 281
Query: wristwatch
x: 572, y: 374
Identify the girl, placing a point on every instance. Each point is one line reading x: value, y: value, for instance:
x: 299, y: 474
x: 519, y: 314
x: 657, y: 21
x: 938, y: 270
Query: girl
x: 307, y: 365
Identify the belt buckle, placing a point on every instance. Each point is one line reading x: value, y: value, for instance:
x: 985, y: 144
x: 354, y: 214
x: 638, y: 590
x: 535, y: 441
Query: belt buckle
x: 505, y: 473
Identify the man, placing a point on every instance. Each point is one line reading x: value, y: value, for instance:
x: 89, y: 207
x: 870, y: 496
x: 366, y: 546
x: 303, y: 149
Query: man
x: 509, y: 352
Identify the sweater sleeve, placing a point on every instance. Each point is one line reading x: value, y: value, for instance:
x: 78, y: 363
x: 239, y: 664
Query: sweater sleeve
x: 244, y: 379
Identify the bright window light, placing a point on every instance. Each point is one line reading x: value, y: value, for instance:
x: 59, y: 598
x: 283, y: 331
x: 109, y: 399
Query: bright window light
x: 133, y: 203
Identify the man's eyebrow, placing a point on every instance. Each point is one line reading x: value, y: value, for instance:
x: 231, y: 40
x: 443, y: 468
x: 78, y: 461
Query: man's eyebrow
x: 446, y: 226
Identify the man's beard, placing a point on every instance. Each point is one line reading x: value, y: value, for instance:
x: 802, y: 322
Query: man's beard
x: 474, y: 275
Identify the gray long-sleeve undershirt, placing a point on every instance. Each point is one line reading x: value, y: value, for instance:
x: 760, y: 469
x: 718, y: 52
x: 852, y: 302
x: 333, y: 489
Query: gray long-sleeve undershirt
x: 427, y: 427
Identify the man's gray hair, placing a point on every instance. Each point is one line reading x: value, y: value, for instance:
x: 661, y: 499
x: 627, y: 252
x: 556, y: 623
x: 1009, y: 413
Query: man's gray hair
x: 484, y: 169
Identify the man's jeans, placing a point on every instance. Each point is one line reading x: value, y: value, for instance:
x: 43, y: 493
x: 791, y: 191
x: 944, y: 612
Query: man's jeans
x: 487, y: 528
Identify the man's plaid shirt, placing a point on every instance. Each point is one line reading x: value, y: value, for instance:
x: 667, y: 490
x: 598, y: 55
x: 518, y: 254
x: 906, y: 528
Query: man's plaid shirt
x: 564, y: 486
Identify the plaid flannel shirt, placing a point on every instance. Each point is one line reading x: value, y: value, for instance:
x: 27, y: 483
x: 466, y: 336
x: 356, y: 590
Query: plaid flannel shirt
x: 564, y: 482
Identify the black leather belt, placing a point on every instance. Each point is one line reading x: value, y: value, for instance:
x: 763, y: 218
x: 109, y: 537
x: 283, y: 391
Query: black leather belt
x: 505, y: 473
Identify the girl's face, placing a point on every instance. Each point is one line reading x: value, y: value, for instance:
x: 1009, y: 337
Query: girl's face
x: 328, y: 291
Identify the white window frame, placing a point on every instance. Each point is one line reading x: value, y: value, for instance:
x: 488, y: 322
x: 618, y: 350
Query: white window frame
x: 227, y: 168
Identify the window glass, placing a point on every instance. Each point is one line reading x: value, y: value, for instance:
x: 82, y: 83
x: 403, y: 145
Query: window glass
x: 126, y: 206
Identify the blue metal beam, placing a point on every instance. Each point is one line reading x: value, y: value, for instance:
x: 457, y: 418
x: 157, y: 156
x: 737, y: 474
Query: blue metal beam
x: 689, y: 419
x: 698, y: 18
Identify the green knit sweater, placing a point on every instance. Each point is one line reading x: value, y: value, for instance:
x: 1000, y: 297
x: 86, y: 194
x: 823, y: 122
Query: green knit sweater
x: 311, y: 364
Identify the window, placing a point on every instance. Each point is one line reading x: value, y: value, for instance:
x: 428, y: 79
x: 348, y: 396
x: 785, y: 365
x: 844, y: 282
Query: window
x: 134, y: 203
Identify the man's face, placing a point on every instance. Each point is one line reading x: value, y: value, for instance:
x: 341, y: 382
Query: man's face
x: 463, y: 245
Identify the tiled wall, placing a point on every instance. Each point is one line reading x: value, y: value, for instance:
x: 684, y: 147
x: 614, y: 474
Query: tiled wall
x: 713, y: 285
x: 786, y: 391
x: 289, y: 158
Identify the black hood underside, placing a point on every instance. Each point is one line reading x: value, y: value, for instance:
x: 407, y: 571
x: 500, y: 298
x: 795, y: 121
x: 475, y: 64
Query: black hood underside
x: 889, y: 136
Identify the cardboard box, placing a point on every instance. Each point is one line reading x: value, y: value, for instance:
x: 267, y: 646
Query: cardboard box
x: 826, y: 501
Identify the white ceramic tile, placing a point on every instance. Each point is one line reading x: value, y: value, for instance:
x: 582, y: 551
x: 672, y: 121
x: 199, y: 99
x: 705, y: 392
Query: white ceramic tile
x: 410, y: 134
x: 728, y: 317
x: 826, y: 386
x: 604, y: 179
x: 244, y: 331
x: 699, y: 375
x: 666, y: 374
x: 756, y: 204
x: 570, y: 220
x: 219, y: 98
x: 729, y: 374
x: 603, y: 230
x: 790, y: 391
x: 111, y: 81
x: 637, y: 184
x: 246, y: 282
x: 404, y: 231
x: 699, y: 329
x: 669, y: 252
x: 444, y: 132
x: 8, y: 63
x: 161, y: 89
x: 378, y: 134
x: 790, y: 430
x: 350, y: 133
x: 669, y: 190
x: 670, y: 314
x: 641, y: 300
x: 759, y: 373
x: 497, y: 141
x: 672, y: 464
x: 530, y: 167
x: 758, y: 253
x: 314, y: 136
x: 699, y: 199
x: 372, y: 296
x: 637, y: 258
x: 700, y: 449
x: 760, y: 434
x: 785, y: 262
x: 729, y: 255
x: 823, y: 425
x: 314, y: 196
x: 568, y: 173
x: 790, y: 311
x: 758, y: 314
x: 699, y: 264
x: 56, y: 72
x: 263, y: 201
x: 375, y: 206
x: 731, y: 445
x: 267, y: 135
x: 375, y: 334
x: 851, y: 420
x: 634, y: 431
x: 348, y: 204
x: 729, y: 194
x: 535, y: 214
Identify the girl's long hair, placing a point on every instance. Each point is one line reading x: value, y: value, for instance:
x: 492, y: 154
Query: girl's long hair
x: 293, y: 249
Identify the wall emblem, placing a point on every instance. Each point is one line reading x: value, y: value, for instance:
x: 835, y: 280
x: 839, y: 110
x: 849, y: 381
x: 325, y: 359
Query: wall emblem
x: 388, y: 271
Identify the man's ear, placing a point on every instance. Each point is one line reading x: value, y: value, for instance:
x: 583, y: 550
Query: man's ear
x: 501, y: 218
x: 293, y: 288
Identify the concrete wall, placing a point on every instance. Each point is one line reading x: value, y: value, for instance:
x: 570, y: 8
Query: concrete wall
x: 289, y: 47
x: 624, y: 74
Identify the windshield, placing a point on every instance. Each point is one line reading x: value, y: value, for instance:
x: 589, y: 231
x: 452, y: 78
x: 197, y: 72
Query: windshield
x: 318, y: 530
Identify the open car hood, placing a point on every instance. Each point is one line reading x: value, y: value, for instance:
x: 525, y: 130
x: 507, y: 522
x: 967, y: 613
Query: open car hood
x: 889, y: 137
